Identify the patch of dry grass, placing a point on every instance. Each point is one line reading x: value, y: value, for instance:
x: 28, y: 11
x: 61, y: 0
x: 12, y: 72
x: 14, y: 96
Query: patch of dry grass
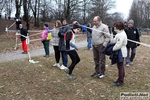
x: 20, y: 80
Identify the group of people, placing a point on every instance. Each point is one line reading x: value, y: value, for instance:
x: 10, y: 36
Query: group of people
x: 103, y: 43
x: 63, y: 41
x: 117, y: 47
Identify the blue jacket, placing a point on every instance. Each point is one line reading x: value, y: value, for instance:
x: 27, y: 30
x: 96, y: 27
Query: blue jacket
x: 113, y: 55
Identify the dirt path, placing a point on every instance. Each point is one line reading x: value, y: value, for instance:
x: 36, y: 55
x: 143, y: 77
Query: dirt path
x: 14, y: 55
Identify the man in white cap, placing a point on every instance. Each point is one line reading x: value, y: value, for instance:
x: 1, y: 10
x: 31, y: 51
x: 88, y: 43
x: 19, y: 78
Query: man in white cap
x: 132, y: 34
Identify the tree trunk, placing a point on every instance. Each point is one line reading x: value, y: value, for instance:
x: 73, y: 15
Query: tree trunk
x: 18, y: 8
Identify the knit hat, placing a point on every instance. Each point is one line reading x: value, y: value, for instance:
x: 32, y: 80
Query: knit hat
x: 130, y: 21
x: 76, y: 26
x: 46, y: 25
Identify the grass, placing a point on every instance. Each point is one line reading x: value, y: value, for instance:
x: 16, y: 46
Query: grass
x: 21, y: 80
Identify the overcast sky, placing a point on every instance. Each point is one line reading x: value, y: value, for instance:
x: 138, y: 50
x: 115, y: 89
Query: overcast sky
x: 123, y: 6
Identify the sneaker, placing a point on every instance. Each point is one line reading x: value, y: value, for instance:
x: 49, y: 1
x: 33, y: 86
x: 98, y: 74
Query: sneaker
x: 62, y: 67
x: 56, y: 65
x: 46, y: 56
x: 101, y: 75
x: 117, y: 84
x: 131, y: 63
x: 67, y: 70
x: 127, y: 65
x: 71, y: 77
x: 24, y: 52
x: 94, y: 75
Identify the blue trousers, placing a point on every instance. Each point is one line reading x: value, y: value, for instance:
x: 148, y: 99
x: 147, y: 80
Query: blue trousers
x: 64, y: 58
x: 89, y: 40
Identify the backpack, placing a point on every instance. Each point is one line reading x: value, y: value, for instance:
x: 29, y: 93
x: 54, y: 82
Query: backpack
x: 49, y: 35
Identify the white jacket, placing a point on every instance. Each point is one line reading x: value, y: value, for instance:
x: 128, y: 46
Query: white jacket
x: 72, y: 41
x: 121, y: 42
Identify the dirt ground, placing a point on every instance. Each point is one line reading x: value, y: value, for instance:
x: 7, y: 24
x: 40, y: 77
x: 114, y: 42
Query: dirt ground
x: 21, y: 80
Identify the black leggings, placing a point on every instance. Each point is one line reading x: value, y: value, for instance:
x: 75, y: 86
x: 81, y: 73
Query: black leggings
x: 57, y: 53
x: 75, y: 59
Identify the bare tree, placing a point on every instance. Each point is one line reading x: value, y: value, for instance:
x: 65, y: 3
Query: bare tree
x: 18, y: 4
x: 70, y: 7
x: 140, y: 13
x: 1, y: 7
x: 85, y: 10
x: 26, y: 10
x: 101, y: 7
x: 7, y: 7
x: 46, y: 10
x: 35, y: 7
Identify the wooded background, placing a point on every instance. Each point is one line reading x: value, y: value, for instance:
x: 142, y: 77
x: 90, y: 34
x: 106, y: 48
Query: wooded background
x: 80, y: 10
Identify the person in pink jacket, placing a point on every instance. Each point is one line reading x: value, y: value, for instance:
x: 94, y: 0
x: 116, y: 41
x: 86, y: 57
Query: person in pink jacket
x: 45, y: 40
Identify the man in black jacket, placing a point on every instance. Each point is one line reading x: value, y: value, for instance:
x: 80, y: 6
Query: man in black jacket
x: 23, y: 38
x: 132, y: 34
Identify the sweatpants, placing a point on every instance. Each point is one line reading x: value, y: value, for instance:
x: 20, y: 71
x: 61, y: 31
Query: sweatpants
x: 24, y: 46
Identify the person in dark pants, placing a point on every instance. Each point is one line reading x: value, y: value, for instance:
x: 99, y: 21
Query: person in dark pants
x: 71, y: 48
x: 45, y: 40
x: 55, y: 42
x: 23, y: 36
x: 100, y: 40
x: 132, y: 34
x: 65, y: 27
x: 120, y: 41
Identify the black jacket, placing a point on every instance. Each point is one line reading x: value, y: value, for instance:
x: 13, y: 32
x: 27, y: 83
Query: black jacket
x: 62, y: 31
x: 113, y: 31
x: 132, y: 34
x: 89, y: 33
x: 23, y: 32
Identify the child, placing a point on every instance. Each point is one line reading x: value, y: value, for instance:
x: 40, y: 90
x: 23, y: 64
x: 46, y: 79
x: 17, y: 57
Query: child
x: 46, y: 36
x: 71, y: 48
x: 24, y: 33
